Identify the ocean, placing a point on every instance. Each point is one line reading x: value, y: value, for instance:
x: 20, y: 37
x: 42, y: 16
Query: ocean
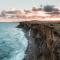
x: 13, y: 42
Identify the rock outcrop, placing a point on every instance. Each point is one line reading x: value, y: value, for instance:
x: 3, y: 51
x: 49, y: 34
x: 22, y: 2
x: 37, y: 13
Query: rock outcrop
x: 44, y: 41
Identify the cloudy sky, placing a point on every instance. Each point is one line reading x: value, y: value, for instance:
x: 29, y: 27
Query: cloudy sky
x: 26, y: 4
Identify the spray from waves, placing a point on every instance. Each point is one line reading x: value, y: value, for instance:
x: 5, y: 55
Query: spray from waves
x: 13, y: 44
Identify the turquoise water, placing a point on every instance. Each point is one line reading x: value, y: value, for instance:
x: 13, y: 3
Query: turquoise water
x: 8, y: 25
x: 13, y: 43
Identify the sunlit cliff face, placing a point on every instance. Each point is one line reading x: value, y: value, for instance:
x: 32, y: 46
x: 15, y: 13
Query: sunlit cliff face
x: 13, y: 44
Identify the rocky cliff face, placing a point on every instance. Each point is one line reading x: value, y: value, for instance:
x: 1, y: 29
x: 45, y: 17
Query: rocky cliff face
x: 44, y: 42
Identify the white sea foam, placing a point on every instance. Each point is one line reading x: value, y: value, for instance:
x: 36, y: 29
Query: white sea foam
x: 13, y: 44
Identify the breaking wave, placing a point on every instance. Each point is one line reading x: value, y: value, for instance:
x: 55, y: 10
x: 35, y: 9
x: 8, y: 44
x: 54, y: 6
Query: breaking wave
x: 13, y: 44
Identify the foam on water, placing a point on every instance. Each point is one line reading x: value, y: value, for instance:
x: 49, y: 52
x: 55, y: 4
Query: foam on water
x: 13, y: 44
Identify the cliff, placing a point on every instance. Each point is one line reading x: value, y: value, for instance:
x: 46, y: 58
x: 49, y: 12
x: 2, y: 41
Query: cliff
x: 44, y: 41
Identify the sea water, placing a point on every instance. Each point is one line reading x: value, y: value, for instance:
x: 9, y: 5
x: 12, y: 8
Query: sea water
x: 13, y: 42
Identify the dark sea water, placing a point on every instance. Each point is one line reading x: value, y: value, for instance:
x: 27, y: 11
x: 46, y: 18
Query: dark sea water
x: 13, y: 43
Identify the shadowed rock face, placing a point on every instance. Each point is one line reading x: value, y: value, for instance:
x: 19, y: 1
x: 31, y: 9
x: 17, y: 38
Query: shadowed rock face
x: 42, y: 42
x: 56, y: 50
x: 36, y: 45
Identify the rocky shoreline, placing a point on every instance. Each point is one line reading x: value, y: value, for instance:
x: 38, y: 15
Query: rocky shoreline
x: 42, y: 42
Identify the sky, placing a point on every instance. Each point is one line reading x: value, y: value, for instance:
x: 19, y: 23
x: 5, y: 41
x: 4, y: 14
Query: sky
x: 26, y: 4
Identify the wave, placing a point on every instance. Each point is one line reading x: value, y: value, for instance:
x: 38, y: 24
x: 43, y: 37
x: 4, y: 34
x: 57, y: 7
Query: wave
x: 13, y: 44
